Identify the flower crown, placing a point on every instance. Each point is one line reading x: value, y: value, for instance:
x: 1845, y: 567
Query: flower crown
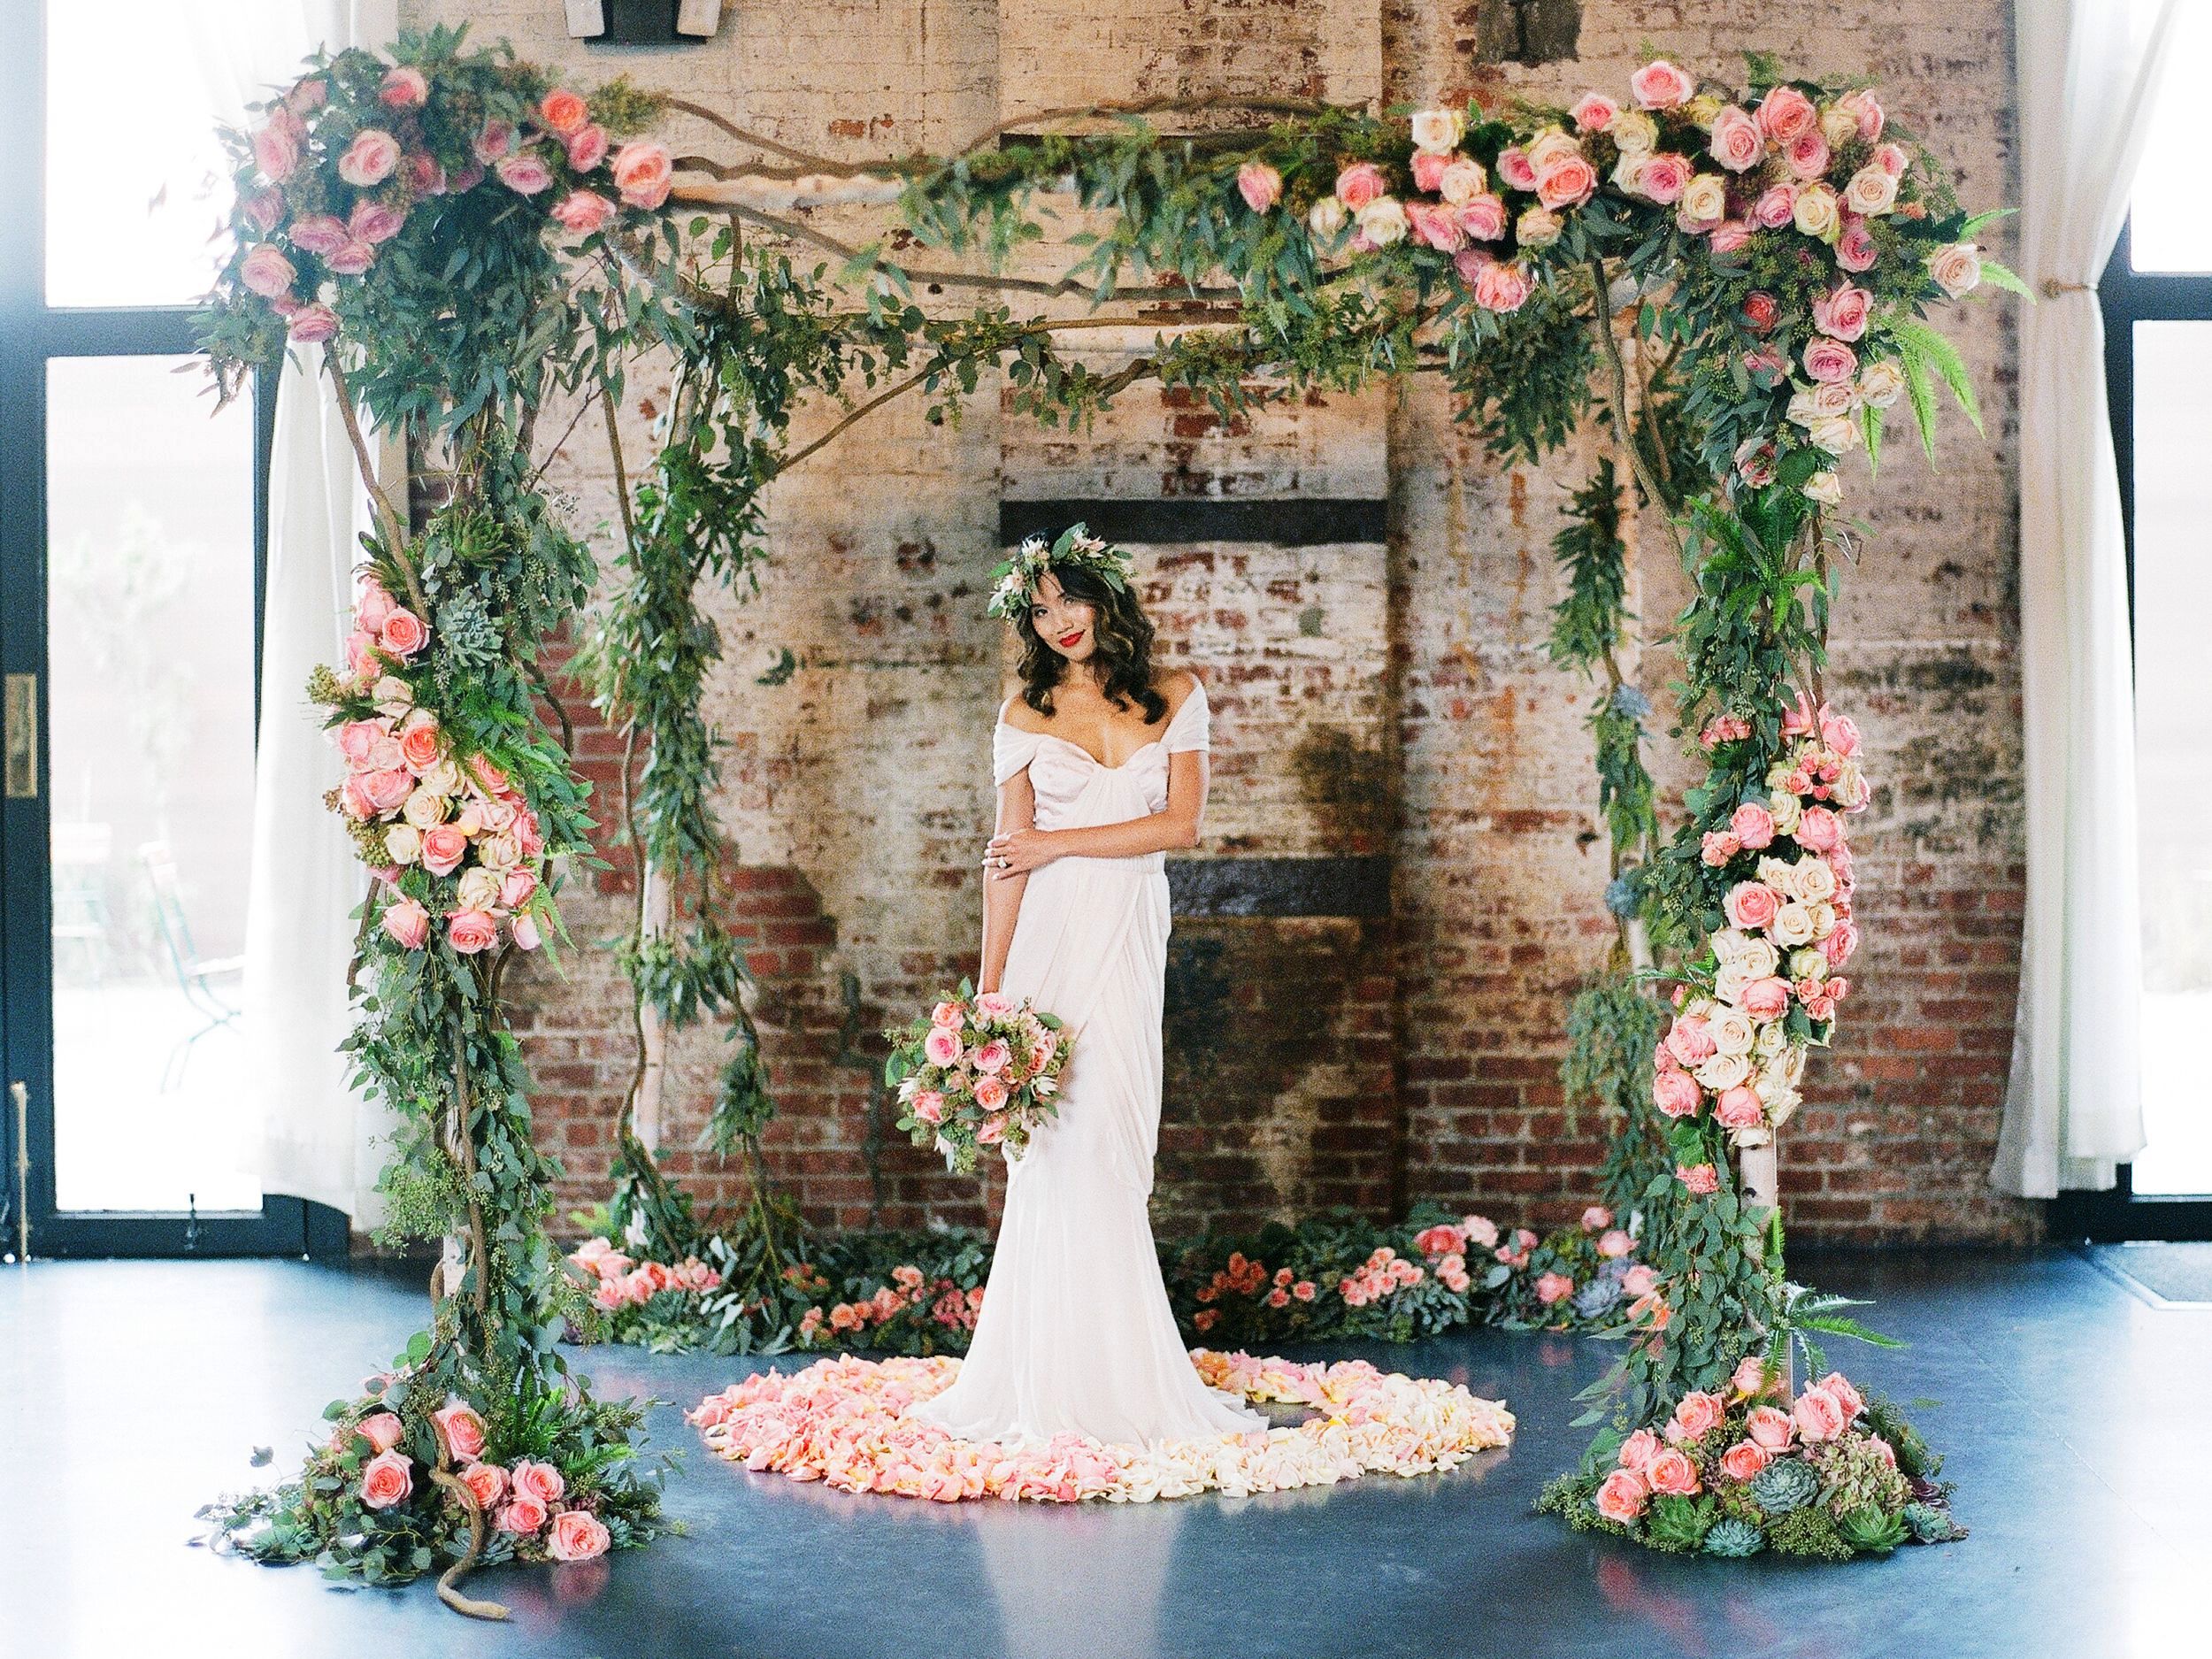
x: 1015, y: 582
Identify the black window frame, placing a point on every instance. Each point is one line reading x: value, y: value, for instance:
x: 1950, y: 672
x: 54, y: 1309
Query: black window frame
x: 32, y: 333
x: 2127, y: 297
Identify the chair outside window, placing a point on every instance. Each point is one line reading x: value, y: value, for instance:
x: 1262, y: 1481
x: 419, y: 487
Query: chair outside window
x: 198, y: 977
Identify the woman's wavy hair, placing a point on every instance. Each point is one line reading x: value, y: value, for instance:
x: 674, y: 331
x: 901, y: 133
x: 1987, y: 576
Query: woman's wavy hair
x: 1124, y: 637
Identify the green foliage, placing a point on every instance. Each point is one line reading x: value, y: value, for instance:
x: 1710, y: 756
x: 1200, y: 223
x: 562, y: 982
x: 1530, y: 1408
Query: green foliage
x: 1856, y: 1474
x: 1915, y: 1458
x: 1808, y: 1534
x: 1569, y: 1497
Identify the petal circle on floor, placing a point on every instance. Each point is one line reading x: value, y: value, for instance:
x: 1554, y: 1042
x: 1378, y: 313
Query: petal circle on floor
x: 841, y: 1421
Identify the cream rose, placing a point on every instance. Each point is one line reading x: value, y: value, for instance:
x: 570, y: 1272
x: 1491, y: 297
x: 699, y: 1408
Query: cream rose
x: 1793, y: 924
x: 1881, y: 383
x: 403, y: 843
x: 1326, y: 218
x: 1439, y: 130
x: 1723, y: 1071
x: 1871, y: 190
x: 1383, y: 221
x: 1815, y: 211
x: 1786, y: 809
x: 1633, y: 132
x: 1824, y: 919
x: 1839, y: 435
x: 1462, y: 181
x: 1816, y: 881
x: 425, y: 807
x: 442, y: 779
x: 1825, y: 487
x: 1705, y: 199
x: 478, y: 889
x: 1731, y: 1031
x: 1538, y: 227
x: 1956, y: 269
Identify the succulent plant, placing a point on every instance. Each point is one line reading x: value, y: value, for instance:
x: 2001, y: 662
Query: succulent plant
x: 1679, y: 1524
x: 1915, y: 1456
x: 1930, y: 1525
x: 1598, y: 1298
x: 1858, y: 1473
x: 1784, y: 1485
x: 1735, y: 1539
x: 1871, y: 1532
x: 1807, y: 1532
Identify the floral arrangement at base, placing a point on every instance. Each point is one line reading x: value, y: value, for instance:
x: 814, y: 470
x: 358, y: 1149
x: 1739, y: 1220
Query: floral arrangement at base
x: 978, y: 1071
x: 1828, y: 1475
x: 840, y: 1421
x: 407, y: 1473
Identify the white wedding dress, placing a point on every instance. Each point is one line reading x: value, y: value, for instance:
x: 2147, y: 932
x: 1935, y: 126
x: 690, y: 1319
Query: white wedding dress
x: 1075, y: 1333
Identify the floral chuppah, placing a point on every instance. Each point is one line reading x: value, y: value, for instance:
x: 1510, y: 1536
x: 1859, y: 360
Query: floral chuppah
x: 465, y: 239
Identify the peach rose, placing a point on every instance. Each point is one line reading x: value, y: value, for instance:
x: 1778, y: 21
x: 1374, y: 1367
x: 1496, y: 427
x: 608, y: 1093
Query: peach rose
x: 1956, y: 269
x: 418, y: 745
x: 1850, y: 1398
x: 463, y: 1429
x: 1741, y: 1107
x: 540, y: 1481
x: 523, y: 1514
x: 1554, y: 1287
x: 517, y: 887
x: 470, y: 931
x: 383, y: 1430
x: 1784, y: 113
x: 1751, y: 904
x: 643, y: 171
x: 1621, y: 1496
x: 266, y: 271
x: 990, y: 1094
x: 1614, y: 1243
x: 945, y: 1014
x: 1260, y: 186
x: 1672, y: 1472
x: 1659, y: 85
x: 1737, y: 143
x: 1743, y: 1460
x: 993, y: 1129
x: 1640, y: 1280
x: 403, y: 632
x: 1442, y: 1238
x: 386, y: 1479
x: 578, y: 1535
x: 1818, y: 1416
x: 586, y: 148
x: 1360, y: 183
x: 1596, y: 1218
x: 1593, y: 112
x: 563, y: 112
x: 1771, y: 1427
x: 1677, y: 1093
x: 1500, y: 288
x: 1695, y: 1415
x: 371, y: 157
x: 443, y: 847
x: 1767, y: 998
x: 1568, y: 182
x: 928, y: 1106
x: 1700, y: 1178
x: 408, y: 923
x: 486, y: 1484
x: 1690, y: 1039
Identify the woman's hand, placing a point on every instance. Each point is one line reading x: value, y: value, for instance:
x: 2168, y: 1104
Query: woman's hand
x: 1017, y: 852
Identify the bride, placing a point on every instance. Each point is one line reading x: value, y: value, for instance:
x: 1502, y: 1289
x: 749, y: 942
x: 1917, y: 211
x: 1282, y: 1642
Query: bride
x: 1100, y: 766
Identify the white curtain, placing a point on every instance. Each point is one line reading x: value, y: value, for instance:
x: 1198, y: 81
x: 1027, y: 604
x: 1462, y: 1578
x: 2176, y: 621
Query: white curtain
x: 318, y: 1138
x: 2089, y: 70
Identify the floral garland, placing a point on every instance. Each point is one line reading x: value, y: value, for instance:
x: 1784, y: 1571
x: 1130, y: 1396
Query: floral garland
x: 840, y: 1421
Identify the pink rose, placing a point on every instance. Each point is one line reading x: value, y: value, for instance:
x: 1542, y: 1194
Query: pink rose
x: 517, y: 887
x: 1845, y: 1396
x: 1260, y: 186
x: 1690, y: 1040
x: 1359, y: 184
x: 1770, y: 1426
x: 1502, y: 287
x: 941, y: 1047
x: 267, y: 272
x: 1434, y: 226
x: 1767, y: 999
x: 1838, y: 945
x: 1826, y: 359
x: 993, y: 1129
x: 352, y: 258
x: 1515, y: 169
x: 1480, y: 1230
x: 357, y: 740
x: 1715, y: 848
x: 1750, y: 1378
x: 1741, y: 1107
x: 486, y: 1484
x: 1842, y: 314
x: 1621, y: 1496
x: 1777, y: 206
x: 464, y: 1430
x: 1695, y: 1415
x: 1593, y: 112
x: 1819, y: 828
x: 929, y: 1106
x: 370, y: 159
x: 469, y: 932
x: 1752, y: 904
x: 643, y: 173
x: 1442, y: 1238
x: 541, y: 1482
x: 1784, y: 113
x: 1677, y: 1093
x: 1862, y: 103
x: 946, y: 1014
x: 1568, y: 182
x: 443, y: 847
x: 319, y: 234
x: 1554, y: 1287
x: 309, y: 94
x: 1482, y: 217
x: 992, y: 1057
x: 1838, y: 731
x: 1700, y: 1178
x: 1808, y: 155
x: 403, y: 634
x: 264, y: 210
x: 276, y: 151
x: 524, y: 172
x: 525, y: 929
x: 523, y: 1514
x: 1659, y: 85
x: 1596, y: 1218
x: 1753, y: 826
x: 1855, y: 248
x: 1662, y: 178
x: 990, y: 1094
x: 1892, y: 159
x: 408, y: 923
x: 387, y: 791
x: 418, y: 746
x: 383, y: 1430
x: 494, y: 140
x: 583, y: 211
x: 563, y: 112
x: 1671, y: 1471
x: 578, y: 1535
x: 1640, y: 1280
x: 373, y: 222
x: 425, y: 174
x: 1637, y: 1450
x: 1730, y: 235
x: 386, y: 1479
x: 1818, y: 1416
x: 404, y: 88
x: 587, y: 147
x: 1614, y: 1243
x: 1428, y: 170
x: 1743, y: 1460
x: 1736, y: 142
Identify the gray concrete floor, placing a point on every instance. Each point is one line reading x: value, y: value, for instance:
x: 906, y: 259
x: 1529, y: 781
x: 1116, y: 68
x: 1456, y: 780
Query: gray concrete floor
x: 2072, y: 1411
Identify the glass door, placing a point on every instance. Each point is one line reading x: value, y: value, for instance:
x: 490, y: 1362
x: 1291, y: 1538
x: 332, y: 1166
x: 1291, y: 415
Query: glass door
x: 132, y: 544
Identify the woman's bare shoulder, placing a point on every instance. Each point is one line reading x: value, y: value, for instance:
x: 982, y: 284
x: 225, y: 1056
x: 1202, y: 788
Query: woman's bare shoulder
x: 1017, y: 713
x: 1176, y: 684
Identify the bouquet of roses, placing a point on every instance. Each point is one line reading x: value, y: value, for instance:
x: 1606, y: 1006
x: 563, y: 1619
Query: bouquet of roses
x: 976, y: 1072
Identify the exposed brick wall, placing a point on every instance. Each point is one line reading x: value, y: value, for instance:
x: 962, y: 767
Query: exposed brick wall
x: 1390, y: 698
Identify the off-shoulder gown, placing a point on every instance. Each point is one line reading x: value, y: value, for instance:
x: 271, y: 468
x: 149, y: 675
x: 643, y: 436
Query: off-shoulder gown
x: 1075, y: 1333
